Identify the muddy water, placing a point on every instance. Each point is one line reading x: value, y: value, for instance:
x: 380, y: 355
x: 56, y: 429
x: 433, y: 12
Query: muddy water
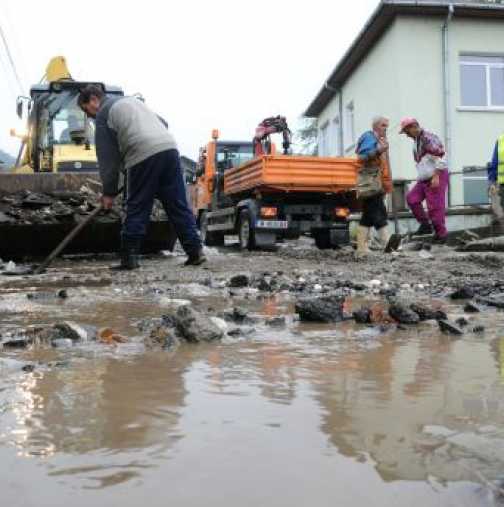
x: 303, y: 415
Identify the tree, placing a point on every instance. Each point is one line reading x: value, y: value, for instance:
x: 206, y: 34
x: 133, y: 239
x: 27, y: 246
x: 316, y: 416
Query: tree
x: 6, y: 161
x: 306, y: 136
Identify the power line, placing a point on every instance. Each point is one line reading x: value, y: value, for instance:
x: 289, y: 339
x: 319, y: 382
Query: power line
x: 10, y: 86
x: 11, y: 60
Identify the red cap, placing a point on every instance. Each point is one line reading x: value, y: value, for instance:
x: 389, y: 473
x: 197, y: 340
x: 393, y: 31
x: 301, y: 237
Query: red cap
x: 407, y: 122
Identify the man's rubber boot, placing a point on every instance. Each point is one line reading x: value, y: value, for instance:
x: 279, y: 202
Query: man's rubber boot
x: 195, y: 259
x: 389, y: 242
x: 130, y: 249
x: 424, y: 230
x: 362, y: 240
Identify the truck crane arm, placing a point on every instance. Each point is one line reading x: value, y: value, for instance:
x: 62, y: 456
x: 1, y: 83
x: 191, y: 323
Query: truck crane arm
x: 262, y: 138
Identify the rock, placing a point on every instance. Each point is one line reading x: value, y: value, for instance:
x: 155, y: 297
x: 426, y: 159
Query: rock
x: 402, y: 314
x: 464, y: 292
x: 495, y: 244
x: 362, y: 316
x: 238, y: 315
x: 495, y: 301
x: 358, y: 286
x: 239, y: 281
x: 426, y: 313
x: 161, y: 337
x: 462, y: 322
x: 472, y: 308
x: 448, y: 328
x: 62, y: 343
x: 220, y: 323
x: 264, y: 285
x: 17, y: 343
x: 110, y: 337
x: 278, y: 321
x: 425, y: 254
x: 195, y: 327
x: 70, y: 330
x: 321, y: 309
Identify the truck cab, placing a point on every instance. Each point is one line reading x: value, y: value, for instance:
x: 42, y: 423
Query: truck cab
x: 271, y: 197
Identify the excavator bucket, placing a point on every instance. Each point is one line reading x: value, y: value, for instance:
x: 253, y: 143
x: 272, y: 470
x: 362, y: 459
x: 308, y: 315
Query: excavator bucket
x: 37, y: 211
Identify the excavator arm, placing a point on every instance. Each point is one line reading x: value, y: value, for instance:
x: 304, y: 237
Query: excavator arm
x: 262, y: 138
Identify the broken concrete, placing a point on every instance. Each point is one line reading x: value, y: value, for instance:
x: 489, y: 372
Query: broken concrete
x: 322, y: 309
x: 447, y: 327
x: 402, y: 314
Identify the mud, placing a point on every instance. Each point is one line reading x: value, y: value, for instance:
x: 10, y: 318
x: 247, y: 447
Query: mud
x: 274, y: 410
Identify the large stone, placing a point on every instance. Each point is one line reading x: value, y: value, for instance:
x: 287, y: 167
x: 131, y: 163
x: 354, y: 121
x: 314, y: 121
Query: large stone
x: 495, y: 244
x: 362, y: 316
x: 239, y: 281
x: 70, y: 330
x: 321, y: 309
x: 495, y: 301
x: 402, y: 314
x: 426, y: 313
x: 193, y: 326
x: 464, y: 292
x: 471, y: 307
x: 449, y: 328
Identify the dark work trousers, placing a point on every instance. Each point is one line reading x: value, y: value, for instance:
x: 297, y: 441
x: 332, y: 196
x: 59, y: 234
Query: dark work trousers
x: 159, y: 177
x: 374, y: 213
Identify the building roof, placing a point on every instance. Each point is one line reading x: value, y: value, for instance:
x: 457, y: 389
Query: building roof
x: 378, y: 24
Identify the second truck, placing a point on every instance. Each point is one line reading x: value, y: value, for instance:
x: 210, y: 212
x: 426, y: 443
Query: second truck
x: 246, y: 189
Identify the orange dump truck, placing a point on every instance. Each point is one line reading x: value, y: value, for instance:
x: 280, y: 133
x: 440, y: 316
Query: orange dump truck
x: 271, y: 197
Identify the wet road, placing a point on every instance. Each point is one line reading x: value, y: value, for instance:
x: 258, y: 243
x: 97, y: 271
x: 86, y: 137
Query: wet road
x: 318, y: 415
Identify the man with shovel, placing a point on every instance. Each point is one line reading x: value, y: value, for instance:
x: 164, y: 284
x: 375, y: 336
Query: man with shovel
x: 130, y: 136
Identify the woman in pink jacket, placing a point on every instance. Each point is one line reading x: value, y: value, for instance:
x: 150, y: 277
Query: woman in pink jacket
x: 432, y: 180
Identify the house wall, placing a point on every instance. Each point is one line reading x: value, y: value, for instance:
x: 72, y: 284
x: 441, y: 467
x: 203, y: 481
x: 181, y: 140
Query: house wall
x: 403, y: 76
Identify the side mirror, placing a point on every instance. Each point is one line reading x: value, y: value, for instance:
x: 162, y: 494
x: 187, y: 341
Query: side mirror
x: 19, y: 108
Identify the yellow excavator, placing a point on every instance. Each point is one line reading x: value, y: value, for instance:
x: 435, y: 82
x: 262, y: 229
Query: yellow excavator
x: 57, y: 156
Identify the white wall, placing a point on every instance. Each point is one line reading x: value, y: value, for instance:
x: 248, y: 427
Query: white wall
x: 475, y: 132
x: 403, y: 76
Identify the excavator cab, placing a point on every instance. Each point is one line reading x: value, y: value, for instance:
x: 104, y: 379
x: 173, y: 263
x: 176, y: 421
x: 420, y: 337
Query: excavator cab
x: 56, y: 160
x: 60, y: 136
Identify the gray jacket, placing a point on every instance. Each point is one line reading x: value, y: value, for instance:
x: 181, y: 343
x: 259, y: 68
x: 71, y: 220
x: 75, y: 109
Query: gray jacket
x: 127, y: 133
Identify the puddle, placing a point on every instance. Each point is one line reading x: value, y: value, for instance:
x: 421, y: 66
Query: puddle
x: 298, y: 415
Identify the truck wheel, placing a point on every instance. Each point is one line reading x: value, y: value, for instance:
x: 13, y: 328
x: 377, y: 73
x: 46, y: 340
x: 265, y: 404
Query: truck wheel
x: 323, y: 240
x: 245, y: 232
x: 209, y: 238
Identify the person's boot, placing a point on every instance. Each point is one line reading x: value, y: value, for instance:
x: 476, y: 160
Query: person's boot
x: 130, y: 249
x: 362, y: 240
x: 195, y: 259
x: 389, y: 242
x: 424, y: 229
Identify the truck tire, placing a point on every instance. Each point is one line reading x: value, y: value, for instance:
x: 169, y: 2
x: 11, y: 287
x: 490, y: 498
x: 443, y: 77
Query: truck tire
x: 246, y: 234
x: 322, y: 239
x: 207, y: 237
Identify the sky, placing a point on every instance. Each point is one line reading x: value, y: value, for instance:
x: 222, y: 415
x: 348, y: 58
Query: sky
x: 200, y: 64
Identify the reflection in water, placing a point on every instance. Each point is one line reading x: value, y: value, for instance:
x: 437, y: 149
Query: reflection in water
x: 310, y: 402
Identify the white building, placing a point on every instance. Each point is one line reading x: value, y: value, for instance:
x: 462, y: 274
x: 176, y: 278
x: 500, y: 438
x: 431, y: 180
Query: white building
x: 439, y: 61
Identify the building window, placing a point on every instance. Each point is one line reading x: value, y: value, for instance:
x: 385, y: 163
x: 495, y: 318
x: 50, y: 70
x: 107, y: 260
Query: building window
x: 336, y: 137
x: 349, y: 126
x: 482, y: 81
x: 324, y: 140
x: 475, y: 186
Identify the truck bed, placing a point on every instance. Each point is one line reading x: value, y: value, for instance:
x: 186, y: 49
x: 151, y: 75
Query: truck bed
x: 293, y: 174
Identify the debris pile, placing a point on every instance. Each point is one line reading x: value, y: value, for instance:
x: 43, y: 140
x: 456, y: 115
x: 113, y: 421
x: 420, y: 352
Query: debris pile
x: 25, y: 207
